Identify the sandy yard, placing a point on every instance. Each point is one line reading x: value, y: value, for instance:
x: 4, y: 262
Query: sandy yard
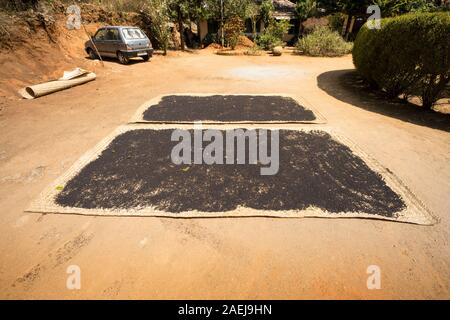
x: 258, y: 258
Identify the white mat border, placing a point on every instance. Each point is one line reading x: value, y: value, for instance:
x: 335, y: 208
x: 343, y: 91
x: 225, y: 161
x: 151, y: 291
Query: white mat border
x: 416, y: 212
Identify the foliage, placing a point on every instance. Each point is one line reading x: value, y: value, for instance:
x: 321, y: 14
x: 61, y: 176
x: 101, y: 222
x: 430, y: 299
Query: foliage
x: 254, y: 51
x: 396, y: 7
x: 409, y: 55
x: 306, y: 9
x: 388, y: 7
x: 231, y: 8
x: 233, y: 28
x: 273, y: 34
x: 337, y: 21
x: 323, y: 42
x: 353, y: 7
x: 122, y: 5
x: 18, y: 5
x: 279, y: 28
x: 252, y: 12
x: 158, y: 11
x: 267, y: 8
x: 210, y: 38
x: 199, y: 10
x: 267, y: 41
x: 344, y: 6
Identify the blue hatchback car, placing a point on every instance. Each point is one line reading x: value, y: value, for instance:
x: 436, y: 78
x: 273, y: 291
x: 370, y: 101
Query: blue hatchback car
x: 120, y: 42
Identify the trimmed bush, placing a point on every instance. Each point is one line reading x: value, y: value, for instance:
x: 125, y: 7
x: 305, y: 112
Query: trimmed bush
x: 273, y: 35
x: 254, y: 51
x: 323, y: 42
x: 233, y: 28
x: 409, y: 55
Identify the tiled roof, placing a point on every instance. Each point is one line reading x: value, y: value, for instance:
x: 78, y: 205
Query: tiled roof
x: 283, y: 6
x: 284, y: 9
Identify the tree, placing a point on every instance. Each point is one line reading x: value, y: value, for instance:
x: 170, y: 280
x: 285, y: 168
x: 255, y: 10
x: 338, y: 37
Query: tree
x: 19, y: 5
x: 179, y: 10
x: 267, y: 10
x: 273, y: 34
x: 224, y: 10
x: 235, y: 8
x: 233, y: 29
x: 253, y: 11
x: 327, y: 6
x: 159, y: 14
x: 200, y: 10
x: 352, y: 7
x: 305, y: 9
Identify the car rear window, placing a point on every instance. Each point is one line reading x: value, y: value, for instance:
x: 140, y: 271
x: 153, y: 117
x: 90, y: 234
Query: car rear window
x: 133, y: 33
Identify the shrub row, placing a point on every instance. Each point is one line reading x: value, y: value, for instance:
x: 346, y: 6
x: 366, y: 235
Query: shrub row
x: 408, y: 55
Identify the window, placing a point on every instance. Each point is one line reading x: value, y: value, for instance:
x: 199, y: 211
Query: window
x: 133, y: 33
x: 100, y: 35
x: 112, y: 34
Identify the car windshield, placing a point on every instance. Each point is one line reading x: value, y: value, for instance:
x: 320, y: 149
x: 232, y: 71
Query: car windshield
x: 133, y: 33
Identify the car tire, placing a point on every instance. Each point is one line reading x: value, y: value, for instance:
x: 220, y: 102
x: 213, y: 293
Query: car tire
x: 92, y: 54
x: 123, y: 59
x: 146, y: 57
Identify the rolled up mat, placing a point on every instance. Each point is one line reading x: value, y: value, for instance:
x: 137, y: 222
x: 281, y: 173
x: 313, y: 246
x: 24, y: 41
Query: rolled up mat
x: 42, y: 89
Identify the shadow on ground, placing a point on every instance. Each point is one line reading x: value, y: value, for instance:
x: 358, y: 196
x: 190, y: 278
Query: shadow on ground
x: 115, y: 60
x: 348, y: 86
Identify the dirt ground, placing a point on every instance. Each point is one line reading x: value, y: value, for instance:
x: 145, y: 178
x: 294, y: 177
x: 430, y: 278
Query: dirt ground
x: 259, y: 258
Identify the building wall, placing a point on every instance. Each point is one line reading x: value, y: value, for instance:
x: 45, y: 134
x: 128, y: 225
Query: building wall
x: 203, y: 29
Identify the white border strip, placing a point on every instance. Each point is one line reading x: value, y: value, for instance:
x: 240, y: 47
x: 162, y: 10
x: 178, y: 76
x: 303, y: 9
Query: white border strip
x: 415, y: 211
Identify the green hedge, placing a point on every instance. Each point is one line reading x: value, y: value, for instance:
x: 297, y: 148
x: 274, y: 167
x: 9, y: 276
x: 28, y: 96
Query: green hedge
x: 409, y: 55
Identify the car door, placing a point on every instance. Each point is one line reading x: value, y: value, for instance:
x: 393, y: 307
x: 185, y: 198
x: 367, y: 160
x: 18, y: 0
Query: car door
x: 99, y: 41
x: 112, y: 42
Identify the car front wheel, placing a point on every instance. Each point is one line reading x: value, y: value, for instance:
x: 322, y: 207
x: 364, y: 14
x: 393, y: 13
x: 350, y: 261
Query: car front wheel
x: 123, y: 59
x: 146, y: 57
x: 92, y: 54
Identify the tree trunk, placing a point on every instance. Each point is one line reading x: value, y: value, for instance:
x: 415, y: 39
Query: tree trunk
x: 222, y: 36
x: 428, y: 100
x: 350, y: 29
x: 199, y: 32
x: 344, y: 26
x: 300, y: 28
x: 181, y: 28
x: 431, y: 91
x: 254, y: 29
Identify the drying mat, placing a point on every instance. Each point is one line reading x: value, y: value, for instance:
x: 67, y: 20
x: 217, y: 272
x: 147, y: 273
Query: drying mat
x: 130, y: 174
x: 227, y: 108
